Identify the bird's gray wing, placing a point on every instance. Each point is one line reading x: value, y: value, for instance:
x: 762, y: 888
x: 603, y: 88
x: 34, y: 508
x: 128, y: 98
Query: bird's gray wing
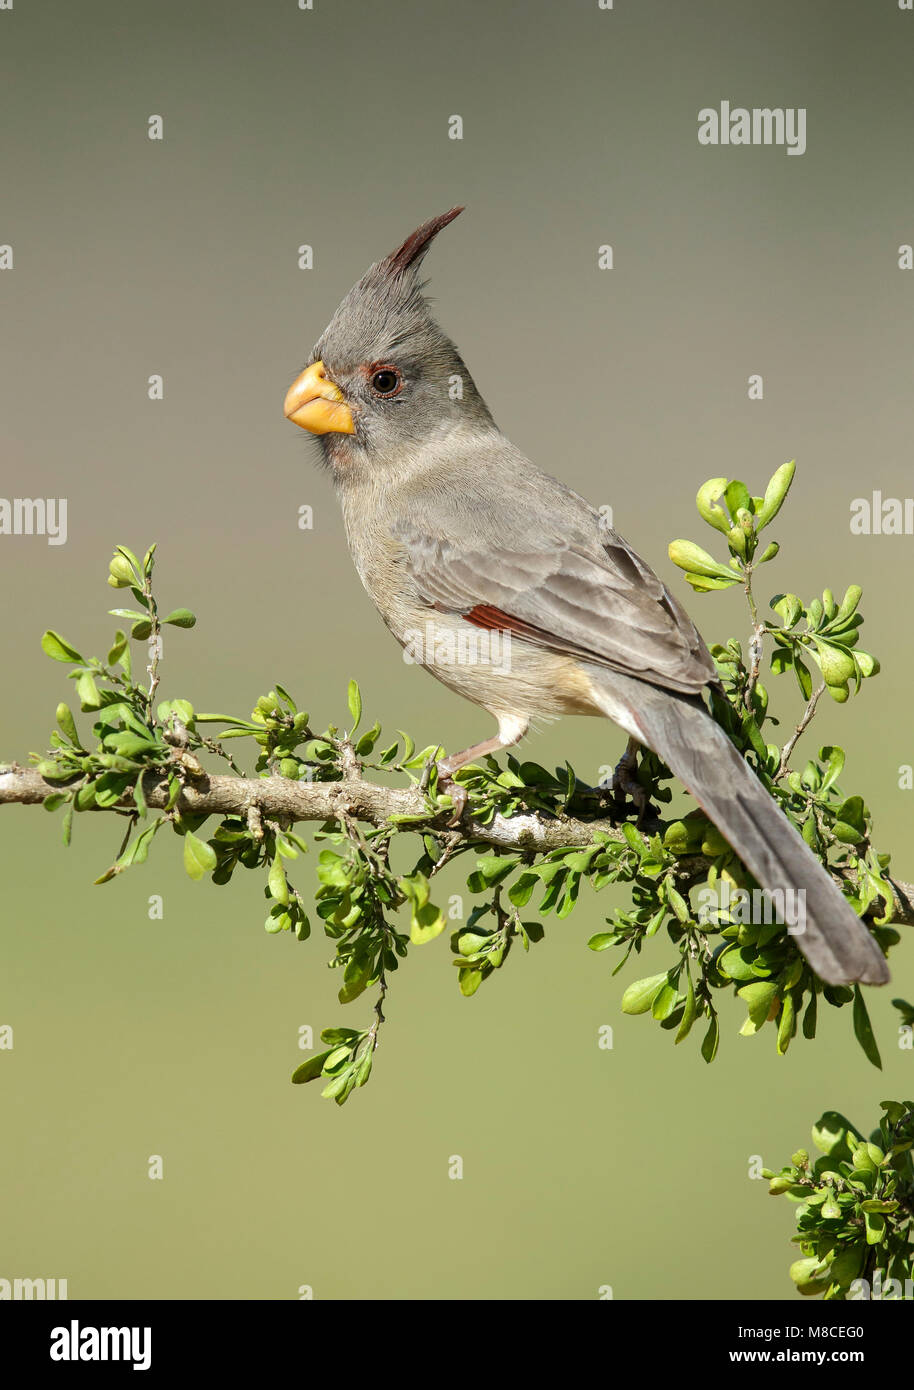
x: 594, y: 599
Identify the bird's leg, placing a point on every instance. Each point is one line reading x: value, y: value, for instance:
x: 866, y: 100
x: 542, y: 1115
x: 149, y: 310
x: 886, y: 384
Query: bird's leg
x: 510, y: 731
x: 626, y: 784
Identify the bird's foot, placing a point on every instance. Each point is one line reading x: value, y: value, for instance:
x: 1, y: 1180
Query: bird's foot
x: 625, y: 784
x: 454, y: 790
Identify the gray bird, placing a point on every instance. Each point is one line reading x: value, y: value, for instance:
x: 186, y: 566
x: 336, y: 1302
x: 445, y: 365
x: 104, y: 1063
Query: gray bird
x: 469, y: 552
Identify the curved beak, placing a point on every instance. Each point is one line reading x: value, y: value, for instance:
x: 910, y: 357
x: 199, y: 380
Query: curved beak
x: 316, y: 403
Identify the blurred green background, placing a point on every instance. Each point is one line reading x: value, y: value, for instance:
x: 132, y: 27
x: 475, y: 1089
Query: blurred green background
x: 583, y: 1167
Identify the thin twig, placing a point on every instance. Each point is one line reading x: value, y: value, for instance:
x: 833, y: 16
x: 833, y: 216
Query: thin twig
x: 155, y: 647
x: 801, y: 727
x: 756, y: 647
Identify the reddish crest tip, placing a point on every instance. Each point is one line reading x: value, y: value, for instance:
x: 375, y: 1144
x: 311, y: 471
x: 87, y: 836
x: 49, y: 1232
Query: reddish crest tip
x: 417, y: 243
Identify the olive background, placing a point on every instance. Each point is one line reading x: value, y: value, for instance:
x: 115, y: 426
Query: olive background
x: 582, y: 1167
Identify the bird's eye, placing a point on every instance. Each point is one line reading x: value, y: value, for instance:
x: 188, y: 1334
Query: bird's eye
x: 386, y: 381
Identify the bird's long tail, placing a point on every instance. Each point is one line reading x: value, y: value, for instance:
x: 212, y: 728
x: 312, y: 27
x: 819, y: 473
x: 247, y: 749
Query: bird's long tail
x: 682, y: 732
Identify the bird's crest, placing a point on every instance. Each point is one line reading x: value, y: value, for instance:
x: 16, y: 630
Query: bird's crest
x: 386, y: 308
x: 410, y: 253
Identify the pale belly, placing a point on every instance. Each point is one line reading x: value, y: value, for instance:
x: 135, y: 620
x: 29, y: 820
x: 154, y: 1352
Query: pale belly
x: 515, y: 680
x: 497, y: 670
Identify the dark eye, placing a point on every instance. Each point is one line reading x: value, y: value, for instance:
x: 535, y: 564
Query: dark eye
x: 386, y: 381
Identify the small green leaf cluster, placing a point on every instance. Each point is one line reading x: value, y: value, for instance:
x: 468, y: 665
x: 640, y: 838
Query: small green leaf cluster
x: 356, y: 892
x: 728, y: 507
x: 829, y: 637
x: 344, y: 1065
x: 526, y: 788
x: 855, y: 1218
x: 125, y: 571
x: 129, y: 739
x: 482, y: 947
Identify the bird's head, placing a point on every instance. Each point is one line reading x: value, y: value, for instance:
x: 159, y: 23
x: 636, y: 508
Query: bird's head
x: 383, y: 379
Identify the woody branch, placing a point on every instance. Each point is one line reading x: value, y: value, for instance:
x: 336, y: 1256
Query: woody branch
x: 355, y: 798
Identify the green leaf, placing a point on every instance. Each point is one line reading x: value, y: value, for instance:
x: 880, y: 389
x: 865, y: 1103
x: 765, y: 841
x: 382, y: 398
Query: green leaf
x: 356, y: 978
x: 809, y: 1017
x: 67, y: 724
x: 355, y: 705
x: 875, y: 1227
x: 787, y: 1025
x: 703, y: 585
x: 709, y: 506
x: 182, y: 708
x: 804, y: 679
x: 493, y: 869
x: 229, y: 719
x: 829, y: 1209
x: 426, y: 923
x: 199, y: 857
x: 368, y: 740
x: 737, y: 496
x: 788, y: 608
x: 833, y: 758
x: 469, y: 981
x: 863, y: 1029
x: 602, y: 941
x: 180, y: 617
x: 129, y: 555
x: 690, y: 1013
x: 58, y: 648
x: 690, y: 557
x: 775, y: 493
x: 311, y: 1069
x: 634, y: 840
x: 808, y: 1274
x: 276, y: 882
x: 640, y: 995
x: 120, y: 573
x: 836, y: 664
x: 758, y: 999
x: 521, y: 891
x: 848, y: 604
x: 363, y: 1066
x: 832, y: 1133
x: 119, y: 653
x: 664, y: 1002
x: 130, y: 745
x: 711, y: 1040
x: 138, y: 849
x: 853, y: 812
x: 278, y: 920
x: 678, y: 903
x: 87, y: 690
x: 738, y: 963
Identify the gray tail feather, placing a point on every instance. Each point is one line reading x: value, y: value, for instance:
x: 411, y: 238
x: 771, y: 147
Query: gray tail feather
x: 681, y: 731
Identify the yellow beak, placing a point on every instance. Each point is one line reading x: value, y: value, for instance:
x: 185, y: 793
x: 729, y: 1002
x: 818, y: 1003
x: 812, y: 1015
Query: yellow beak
x: 316, y: 403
